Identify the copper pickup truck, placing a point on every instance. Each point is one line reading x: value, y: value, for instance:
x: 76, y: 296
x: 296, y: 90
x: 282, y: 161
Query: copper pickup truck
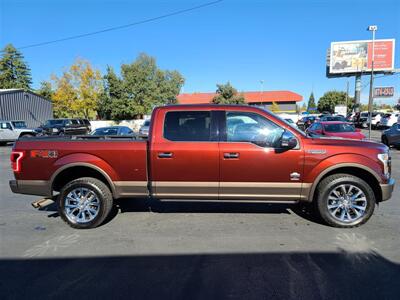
x: 203, y: 153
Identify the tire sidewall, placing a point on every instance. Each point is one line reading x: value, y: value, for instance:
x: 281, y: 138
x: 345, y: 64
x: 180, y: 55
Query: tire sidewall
x: 85, y: 184
x: 323, y: 201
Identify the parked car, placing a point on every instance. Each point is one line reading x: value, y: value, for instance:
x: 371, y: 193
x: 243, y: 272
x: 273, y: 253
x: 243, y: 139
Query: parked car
x: 376, y: 120
x: 86, y: 123
x: 361, y: 120
x: 305, y: 122
x: 291, y: 122
x: 113, y: 130
x: 144, y: 129
x: 63, y: 127
x: 391, y: 136
x: 332, y: 119
x: 389, y: 120
x: 335, y: 129
x: 10, y: 131
x: 195, y: 152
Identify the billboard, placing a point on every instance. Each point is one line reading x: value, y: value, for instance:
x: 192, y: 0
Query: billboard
x: 356, y: 57
x: 384, y: 92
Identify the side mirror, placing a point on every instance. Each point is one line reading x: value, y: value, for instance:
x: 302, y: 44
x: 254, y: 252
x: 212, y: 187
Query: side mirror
x: 288, y: 141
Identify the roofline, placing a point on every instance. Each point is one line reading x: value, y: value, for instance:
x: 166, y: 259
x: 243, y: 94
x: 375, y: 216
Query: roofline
x: 10, y: 91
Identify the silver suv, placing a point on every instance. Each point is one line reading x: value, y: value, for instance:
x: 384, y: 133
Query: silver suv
x: 10, y: 131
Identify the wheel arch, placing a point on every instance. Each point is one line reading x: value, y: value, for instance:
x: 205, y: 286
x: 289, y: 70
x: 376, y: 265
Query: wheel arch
x: 73, y: 171
x: 361, y: 171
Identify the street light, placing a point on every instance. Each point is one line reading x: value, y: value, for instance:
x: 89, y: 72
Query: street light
x: 372, y: 28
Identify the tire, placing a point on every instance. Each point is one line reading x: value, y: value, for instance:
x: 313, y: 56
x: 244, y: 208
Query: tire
x: 26, y: 136
x: 345, y: 216
x: 385, y: 141
x: 86, y: 214
x: 364, y: 125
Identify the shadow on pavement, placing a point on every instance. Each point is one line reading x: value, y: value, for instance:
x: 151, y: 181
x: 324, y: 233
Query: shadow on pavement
x: 340, y: 275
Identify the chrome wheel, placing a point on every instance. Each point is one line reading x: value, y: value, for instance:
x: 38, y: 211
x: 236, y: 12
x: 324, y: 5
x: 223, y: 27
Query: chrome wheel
x: 347, y: 203
x: 81, y: 205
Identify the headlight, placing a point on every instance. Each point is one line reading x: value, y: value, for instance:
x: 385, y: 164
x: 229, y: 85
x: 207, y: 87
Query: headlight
x: 386, y: 161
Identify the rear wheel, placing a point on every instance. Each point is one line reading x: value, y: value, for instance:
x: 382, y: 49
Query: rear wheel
x: 345, y: 200
x: 84, y: 202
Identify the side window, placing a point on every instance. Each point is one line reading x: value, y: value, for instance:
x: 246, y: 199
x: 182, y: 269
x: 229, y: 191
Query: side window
x: 187, y: 126
x: 6, y: 125
x: 318, y: 127
x: 253, y: 128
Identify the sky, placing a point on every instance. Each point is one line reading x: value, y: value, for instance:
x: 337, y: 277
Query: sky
x: 282, y: 43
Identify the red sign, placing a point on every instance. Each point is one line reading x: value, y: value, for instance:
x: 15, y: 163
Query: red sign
x: 383, y: 55
x: 384, y: 92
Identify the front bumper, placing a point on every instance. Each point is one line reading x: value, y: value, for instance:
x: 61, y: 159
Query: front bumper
x: 387, y: 189
x: 31, y: 187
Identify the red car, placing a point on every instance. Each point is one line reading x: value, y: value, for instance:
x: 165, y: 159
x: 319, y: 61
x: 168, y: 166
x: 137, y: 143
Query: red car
x: 336, y: 129
x: 202, y: 153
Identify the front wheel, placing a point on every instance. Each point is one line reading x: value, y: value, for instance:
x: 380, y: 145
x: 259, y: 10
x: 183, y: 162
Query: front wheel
x: 84, y: 202
x: 344, y: 200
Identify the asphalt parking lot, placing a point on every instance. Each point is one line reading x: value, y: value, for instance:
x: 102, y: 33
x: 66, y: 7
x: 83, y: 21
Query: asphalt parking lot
x: 177, y: 250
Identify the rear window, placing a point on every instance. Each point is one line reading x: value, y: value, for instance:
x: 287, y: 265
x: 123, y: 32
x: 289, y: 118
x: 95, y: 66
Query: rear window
x: 339, y: 128
x: 19, y: 124
x: 54, y: 122
x: 187, y: 126
x: 106, y: 131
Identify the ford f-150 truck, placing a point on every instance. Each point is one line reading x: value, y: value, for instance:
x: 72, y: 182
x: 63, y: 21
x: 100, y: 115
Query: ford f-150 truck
x: 206, y: 152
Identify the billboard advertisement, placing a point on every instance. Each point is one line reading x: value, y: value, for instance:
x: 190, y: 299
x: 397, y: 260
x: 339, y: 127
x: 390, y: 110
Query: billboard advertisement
x: 384, y: 92
x: 356, y: 56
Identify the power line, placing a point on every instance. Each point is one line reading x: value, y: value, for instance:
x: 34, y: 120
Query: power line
x: 78, y: 36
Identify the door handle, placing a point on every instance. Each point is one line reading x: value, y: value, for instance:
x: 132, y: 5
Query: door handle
x: 231, y: 155
x: 165, y: 155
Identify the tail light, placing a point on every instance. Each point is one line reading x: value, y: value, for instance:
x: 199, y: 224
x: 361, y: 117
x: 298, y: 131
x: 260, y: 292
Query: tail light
x: 16, y: 157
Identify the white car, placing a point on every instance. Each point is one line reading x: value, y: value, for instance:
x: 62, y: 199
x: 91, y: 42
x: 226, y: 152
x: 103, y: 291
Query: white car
x: 10, y: 131
x: 389, y: 120
x: 376, y: 120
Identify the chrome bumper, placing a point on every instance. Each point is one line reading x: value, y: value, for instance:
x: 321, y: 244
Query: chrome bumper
x: 387, y: 189
x: 31, y: 187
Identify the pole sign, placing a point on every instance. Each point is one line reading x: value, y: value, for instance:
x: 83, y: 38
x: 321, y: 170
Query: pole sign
x: 384, y: 92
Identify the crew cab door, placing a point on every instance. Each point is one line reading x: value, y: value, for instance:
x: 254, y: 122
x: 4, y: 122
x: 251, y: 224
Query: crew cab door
x: 184, y: 154
x: 253, y: 166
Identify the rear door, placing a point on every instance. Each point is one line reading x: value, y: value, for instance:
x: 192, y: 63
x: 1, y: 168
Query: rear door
x: 253, y: 166
x: 184, y: 155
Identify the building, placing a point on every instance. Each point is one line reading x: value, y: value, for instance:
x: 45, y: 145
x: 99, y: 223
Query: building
x: 286, y: 100
x: 17, y: 104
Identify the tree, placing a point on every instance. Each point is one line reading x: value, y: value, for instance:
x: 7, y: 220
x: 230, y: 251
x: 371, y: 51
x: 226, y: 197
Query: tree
x: 227, y: 94
x: 332, y: 98
x: 311, y: 107
x: 275, y: 107
x: 112, y: 92
x: 78, y: 91
x: 303, y: 107
x: 45, y: 90
x: 145, y: 86
x: 14, y: 72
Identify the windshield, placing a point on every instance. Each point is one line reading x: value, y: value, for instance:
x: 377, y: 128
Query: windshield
x: 105, y: 131
x: 54, y: 122
x: 339, y: 128
x: 19, y: 124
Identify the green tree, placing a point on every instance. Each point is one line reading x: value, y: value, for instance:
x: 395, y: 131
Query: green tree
x: 227, y: 94
x: 332, y: 98
x: 14, y: 71
x: 311, y: 107
x: 45, y: 90
x: 303, y: 107
x: 145, y: 86
x: 112, y: 92
x: 275, y: 107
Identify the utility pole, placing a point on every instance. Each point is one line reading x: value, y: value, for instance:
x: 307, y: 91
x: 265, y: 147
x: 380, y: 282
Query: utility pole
x: 372, y: 28
x: 347, y: 94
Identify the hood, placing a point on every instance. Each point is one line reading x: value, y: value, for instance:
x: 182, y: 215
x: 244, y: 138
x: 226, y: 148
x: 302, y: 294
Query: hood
x: 347, y: 135
x: 344, y: 143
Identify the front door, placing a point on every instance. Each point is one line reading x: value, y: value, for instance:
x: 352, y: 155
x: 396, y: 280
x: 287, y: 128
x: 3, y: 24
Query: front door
x: 185, y: 157
x: 253, y: 165
x: 6, y: 132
